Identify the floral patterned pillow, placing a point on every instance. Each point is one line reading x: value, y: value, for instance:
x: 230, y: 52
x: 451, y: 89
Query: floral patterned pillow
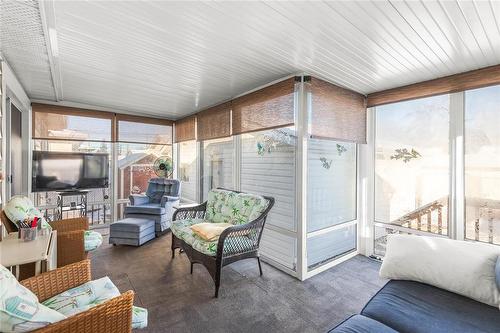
x: 19, y: 208
x: 90, y: 294
x: 20, y: 310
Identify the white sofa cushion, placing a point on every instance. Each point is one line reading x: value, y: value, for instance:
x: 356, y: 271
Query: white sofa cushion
x: 465, y: 268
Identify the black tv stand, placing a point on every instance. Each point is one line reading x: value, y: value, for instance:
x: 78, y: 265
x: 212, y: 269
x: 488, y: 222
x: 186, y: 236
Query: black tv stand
x: 71, y: 201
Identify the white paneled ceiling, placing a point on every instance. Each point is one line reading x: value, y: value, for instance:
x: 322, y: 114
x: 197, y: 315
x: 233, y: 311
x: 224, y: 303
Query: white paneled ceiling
x: 173, y: 58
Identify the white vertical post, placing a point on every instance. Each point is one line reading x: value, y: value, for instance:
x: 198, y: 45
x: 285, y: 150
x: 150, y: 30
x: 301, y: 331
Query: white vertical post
x: 175, y: 161
x: 114, y: 181
x: 366, y: 187
x: 302, y: 102
x: 456, y: 217
x: 237, y: 162
x: 199, y: 170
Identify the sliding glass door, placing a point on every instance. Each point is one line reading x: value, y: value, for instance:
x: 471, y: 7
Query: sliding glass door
x: 412, y: 168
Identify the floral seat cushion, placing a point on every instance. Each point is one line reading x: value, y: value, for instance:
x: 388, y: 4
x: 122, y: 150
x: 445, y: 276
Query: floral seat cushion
x: 20, y: 310
x: 181, y: 229
x: 235, y: 208
x: 90, y: 294
x: 92, y: 240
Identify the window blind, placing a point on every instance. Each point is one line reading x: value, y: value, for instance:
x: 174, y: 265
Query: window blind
x: 214, y: 122
x: 185, y: 129
x: 267, y: 108
x: 337, y: 113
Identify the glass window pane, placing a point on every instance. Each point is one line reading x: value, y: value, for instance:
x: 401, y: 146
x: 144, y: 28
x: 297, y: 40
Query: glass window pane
x: 187, y: 171
x: 136, y: 166
x: 58, y: 126
x: 268, y: 168
x: 217, y: 165
x: 331, y: 183
x: 130, y: 131
x: 326, y: 247
x: 482, y: 165
x: 380, y: 239
x: 98, y: 200
x: 412, y: 164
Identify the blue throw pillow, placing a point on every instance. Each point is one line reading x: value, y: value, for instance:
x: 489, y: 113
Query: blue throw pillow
x: 497, y: 272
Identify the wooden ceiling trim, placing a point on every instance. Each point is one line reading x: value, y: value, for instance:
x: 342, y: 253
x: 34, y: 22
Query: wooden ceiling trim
x: 479, y: 78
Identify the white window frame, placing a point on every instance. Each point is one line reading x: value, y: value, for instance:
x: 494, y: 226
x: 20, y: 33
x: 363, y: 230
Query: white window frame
x: 456, y: 215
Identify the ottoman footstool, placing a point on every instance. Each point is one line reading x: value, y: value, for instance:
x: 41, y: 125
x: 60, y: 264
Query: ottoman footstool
x: 131, y: 231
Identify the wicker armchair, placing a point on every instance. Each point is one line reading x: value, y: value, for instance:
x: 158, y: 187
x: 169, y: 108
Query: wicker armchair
x: 70, y: 238
x: 113, y: 316
x: 230, y: 246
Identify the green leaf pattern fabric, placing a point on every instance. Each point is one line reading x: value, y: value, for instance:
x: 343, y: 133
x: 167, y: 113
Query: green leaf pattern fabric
x: 20, y: 310
x: 222, y: 207
x: 92, y: 240
x: 90, y: 294
x: 235, y: 208
x: 182, y: 230
x: 20, y: 207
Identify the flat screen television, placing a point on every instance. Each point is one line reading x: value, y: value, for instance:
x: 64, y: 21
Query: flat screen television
x: 55, y: 171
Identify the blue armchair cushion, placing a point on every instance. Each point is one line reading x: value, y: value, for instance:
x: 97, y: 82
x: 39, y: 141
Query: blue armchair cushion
x: 149, y: 209
x: 414, y: 307
x: 138, y: 199
x: 159, y: 187
x: 361, y: 324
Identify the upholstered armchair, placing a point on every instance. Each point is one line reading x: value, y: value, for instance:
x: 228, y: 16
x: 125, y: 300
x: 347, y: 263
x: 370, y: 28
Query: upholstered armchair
x: 157, y: 203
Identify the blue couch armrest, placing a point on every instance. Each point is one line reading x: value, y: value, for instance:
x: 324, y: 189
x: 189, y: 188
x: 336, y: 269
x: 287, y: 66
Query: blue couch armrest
x: 138, y: 199
x: 168, y: 199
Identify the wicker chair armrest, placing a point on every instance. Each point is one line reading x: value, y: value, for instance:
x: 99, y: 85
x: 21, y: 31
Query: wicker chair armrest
x: 78, y: 223
x: 113, y: 316
x: 61, y: 279
x: 190, y: 212
x: 70, y: 247
x: 246, y: 237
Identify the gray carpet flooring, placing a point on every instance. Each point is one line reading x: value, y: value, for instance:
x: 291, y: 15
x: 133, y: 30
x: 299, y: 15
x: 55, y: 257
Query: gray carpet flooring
x: 275, y: 302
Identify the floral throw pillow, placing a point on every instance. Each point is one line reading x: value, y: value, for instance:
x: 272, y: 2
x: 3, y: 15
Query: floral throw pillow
x: 19, y: 208
x: 90, y: 294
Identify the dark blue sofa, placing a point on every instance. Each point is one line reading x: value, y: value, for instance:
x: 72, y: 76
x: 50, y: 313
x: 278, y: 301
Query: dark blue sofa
x: 413, y: 307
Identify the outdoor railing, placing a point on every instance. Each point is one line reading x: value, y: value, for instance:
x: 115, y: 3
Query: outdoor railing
x: 430, y: 217
x: 482, y: 221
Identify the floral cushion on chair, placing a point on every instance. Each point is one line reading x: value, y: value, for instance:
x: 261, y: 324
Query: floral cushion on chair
x: 19, y: 208
x: 181, y: 229
x: 92, y: 240
x: 90, y: 294
x: 20, y: 310
x: 235, y: 208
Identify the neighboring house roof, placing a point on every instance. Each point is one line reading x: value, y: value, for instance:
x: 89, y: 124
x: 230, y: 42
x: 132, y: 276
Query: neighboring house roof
x: 134, y: 157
